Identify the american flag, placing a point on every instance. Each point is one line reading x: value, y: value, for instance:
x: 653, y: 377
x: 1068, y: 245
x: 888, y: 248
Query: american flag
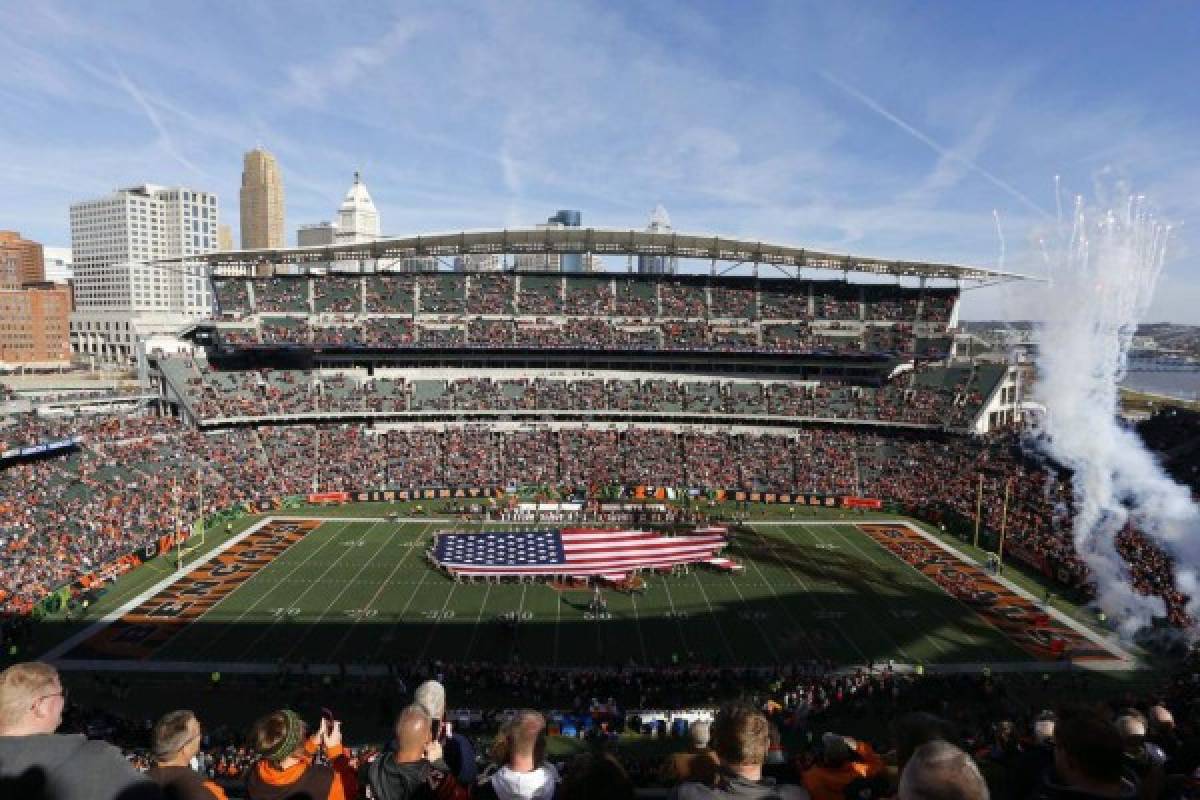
x: 582, y: 552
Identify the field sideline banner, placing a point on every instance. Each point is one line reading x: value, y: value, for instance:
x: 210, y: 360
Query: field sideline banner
x: 640, y: 492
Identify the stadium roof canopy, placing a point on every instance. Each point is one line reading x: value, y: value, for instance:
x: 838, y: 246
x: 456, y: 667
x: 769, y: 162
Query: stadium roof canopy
x: 602, y: 242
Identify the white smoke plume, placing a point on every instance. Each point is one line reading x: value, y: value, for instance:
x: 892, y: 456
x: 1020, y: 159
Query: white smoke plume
x: 1103, y: 267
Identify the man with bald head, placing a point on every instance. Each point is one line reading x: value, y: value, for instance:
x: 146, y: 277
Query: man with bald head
x: 412, y: 768
x: 940, y: 771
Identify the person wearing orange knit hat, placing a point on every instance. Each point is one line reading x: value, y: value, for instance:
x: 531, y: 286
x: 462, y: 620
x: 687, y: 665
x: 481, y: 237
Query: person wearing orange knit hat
x: 285, y: 767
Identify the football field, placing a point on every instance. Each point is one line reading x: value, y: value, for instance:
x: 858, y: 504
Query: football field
x: 362, y: 592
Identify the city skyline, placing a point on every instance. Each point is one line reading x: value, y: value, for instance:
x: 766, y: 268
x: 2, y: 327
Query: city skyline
x: 944, y: 116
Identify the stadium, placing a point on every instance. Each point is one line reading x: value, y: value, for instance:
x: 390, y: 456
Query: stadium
x: 355, y: 473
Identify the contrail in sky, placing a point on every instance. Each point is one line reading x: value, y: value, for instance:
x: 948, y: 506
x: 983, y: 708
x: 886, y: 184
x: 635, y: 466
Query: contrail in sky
x: 932, y: 143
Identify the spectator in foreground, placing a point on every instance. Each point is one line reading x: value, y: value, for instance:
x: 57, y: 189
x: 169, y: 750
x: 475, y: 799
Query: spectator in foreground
x: 524, y: 775
x: 457, y: 750
x: 285, y: 767
x: 740, y: 738
x: 1087, y: 762
x: 699, y: 763
x: 940, y: 771
x: 38, y: 764
x: 596, y: 776
x: 413, y: 769
x: 176, y: 744
x: 843, y: 761
x: 1037, y: 759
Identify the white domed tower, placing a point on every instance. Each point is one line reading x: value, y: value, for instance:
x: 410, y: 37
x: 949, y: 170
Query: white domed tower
x: 658, y: 265
x: 358, y: 221
x: 659, y: 221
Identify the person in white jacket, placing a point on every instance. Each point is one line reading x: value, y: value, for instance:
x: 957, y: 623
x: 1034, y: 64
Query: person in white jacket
x: 524, y: 773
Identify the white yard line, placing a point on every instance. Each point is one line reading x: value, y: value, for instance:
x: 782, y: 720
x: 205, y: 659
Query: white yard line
x: 757, y: 624
x: 346, y: 585
x: 228, y: 626
x: 478, y: 618
x: 386, y: 639
x: 379, y: 591
x: 675, y: 616
x: 949, y: 624
x: 310, y: 585
x: 712, y: 612
x: 809, y: 593
x: 899, y: 648
x: 433, y: 628
x: 517, y: 628
x: 557, y: 621
x: 637, y: 620
x: 797, y: 625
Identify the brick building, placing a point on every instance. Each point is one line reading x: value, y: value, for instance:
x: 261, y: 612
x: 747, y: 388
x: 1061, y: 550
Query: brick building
x: 34, y: 315
x: 21, y: 261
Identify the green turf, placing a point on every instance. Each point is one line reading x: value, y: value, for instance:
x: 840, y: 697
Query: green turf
x: 363, y: 592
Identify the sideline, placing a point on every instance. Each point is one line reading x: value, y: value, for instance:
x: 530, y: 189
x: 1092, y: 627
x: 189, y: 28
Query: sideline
x: 59, y: 650
x: 1110, y: 643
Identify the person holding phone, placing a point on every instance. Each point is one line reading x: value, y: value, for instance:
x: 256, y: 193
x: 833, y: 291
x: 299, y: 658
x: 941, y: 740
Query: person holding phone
x: 412, y: 768
x: 457, y: 749
x: 285, y: 769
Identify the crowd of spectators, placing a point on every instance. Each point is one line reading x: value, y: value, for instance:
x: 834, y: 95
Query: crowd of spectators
x: 589, y: 334
x: 1174, y: 433
x: 800, y: 732
x: 491, y: 294
x: 281, y: 295
x: 915, y: 399
x: 506, y: 294
x: 338, y: 294
x: 68, y: 516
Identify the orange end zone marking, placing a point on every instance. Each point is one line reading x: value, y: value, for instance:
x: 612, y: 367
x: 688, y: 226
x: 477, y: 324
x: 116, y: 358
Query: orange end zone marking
x: 1016, y: 616
x: 139, y: 632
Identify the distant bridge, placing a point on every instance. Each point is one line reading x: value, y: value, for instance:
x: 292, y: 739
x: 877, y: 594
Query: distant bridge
x: 1161, y: 365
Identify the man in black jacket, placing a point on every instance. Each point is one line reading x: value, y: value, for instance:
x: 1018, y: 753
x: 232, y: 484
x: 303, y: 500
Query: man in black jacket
x: 412, y: 767
x: 176, y: 744
x: 1088, y: 762
x: 740, y: 736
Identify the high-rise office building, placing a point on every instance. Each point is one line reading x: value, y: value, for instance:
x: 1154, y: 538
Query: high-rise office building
x: 224, y: 238
x: 567, y: 218
x: 27, y: 263
x: 316, y: 235
x: 120, y: 290
x: 654, y: 264
x: 358, y: 220
x: 261, y: 201
x: 557, y: 262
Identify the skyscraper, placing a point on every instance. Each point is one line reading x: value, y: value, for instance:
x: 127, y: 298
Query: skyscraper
x: 120, y: 292
x: 556, y: 262
x: 262, y: 201
x: 358, y: 221
x: 567, y: 218
x: 658, y: 265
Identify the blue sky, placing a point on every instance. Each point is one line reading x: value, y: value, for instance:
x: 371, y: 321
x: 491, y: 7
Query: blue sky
x: 892, y: 129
